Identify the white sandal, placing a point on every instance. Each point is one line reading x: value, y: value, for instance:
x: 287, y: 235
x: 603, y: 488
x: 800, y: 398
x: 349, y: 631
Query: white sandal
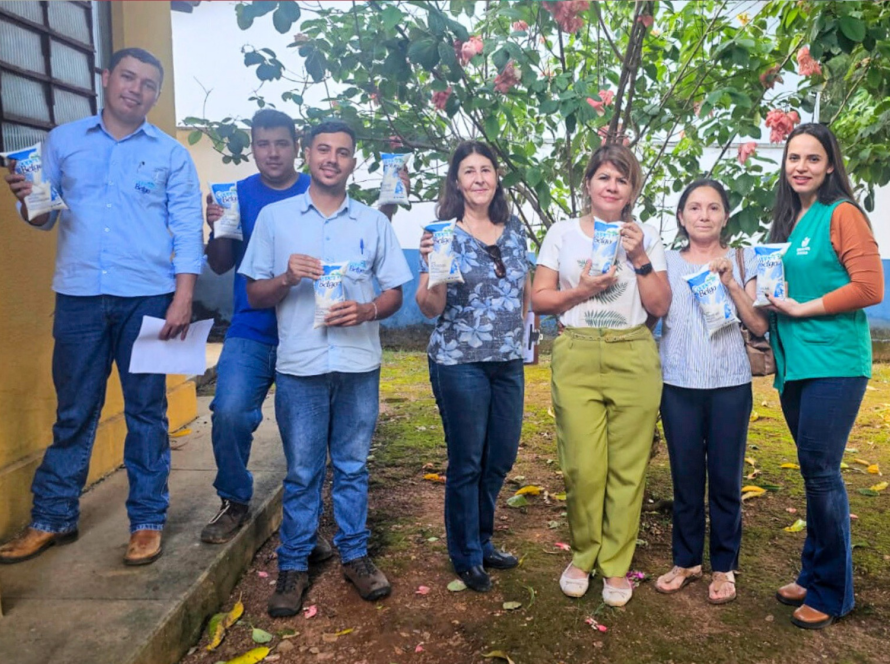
x: 573, y: 587
x: 688, y: 574
x: 613, y: 596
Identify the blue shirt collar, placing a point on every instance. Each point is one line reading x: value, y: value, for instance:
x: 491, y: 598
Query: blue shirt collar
x: 146, y: 127
x: 348, y: 206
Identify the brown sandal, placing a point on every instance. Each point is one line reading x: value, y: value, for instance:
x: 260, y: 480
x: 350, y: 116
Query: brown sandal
x: 688, y: 574
x: 719, y: 581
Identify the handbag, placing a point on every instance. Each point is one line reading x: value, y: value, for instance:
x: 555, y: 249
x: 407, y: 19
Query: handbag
x: 760, y: 353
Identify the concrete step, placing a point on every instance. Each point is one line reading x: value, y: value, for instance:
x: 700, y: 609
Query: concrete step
x: 79, y: 604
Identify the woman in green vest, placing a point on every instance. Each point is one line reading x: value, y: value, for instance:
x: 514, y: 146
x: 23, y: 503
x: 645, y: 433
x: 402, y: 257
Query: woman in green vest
x: 822, y: 345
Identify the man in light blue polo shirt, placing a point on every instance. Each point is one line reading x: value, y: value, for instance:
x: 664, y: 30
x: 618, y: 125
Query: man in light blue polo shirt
x: 327, y: 378
x: 134, y: 201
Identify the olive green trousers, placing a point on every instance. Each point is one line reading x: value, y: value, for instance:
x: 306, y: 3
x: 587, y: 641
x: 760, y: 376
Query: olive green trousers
x: 606, y: 389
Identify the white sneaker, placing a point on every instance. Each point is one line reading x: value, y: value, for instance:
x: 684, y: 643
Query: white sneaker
x: 613, y: 596
x: 573, y: 587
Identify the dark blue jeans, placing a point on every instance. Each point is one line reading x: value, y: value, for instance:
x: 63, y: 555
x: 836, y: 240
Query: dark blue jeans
x: 706, y: 433
x: 244, y: 375
x: 334, y: 412
x: 90, y: 333
x: 481, y: 408
x: 820, y: 413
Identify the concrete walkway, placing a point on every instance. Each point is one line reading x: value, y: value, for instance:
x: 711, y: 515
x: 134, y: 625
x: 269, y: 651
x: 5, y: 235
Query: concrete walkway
x: 79, y: 604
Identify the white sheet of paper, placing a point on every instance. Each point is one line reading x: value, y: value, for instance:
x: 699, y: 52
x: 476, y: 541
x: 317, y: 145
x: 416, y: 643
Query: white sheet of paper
x: 176, y: 356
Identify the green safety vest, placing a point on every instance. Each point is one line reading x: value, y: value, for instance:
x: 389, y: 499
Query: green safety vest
x: 832, y: 346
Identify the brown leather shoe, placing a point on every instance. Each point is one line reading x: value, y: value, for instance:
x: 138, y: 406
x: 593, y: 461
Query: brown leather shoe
x: 145, y: 547
x: 791, y: 595
x: 31, y: 543
x: 807, y: 617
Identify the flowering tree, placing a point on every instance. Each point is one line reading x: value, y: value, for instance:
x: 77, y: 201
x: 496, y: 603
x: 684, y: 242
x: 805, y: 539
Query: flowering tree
x: 545, y: 83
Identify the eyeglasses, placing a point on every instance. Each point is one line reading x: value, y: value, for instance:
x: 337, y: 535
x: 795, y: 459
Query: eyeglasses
x: 494, y: 252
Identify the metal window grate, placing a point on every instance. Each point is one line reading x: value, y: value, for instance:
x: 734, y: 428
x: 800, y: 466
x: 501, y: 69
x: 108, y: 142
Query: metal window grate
x: 50, y: 55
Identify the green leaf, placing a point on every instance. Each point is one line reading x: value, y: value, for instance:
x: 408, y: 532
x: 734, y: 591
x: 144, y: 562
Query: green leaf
x: 500, y: 58
x: 871, y: 493
x: 457, y: 586
x: 253, y: 58
x: 195, y: 136
x: 391, y: 17
x: 424, y: 52
x: 492, y: 126
x: 511, y: 606
x: 853, y: 28
x: 243, y: 16
x: 517, y: 501
x: 261, y: 636
x: 316, y: 64
x: 436, y: 22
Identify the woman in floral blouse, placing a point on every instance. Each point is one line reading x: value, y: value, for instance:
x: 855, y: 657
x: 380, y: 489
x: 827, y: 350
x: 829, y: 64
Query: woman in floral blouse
x: 475, y: 355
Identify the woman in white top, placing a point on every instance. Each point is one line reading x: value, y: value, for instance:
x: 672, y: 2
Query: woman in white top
x: 606, y: 375
x: 706, y: 402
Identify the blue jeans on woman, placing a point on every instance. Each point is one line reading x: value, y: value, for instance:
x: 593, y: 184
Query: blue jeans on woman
x: 245, y: 372
x: 334, y: 412
x: 481, y: 408
x: 820, y: 413
x: 90, y: 333
x: 706, y: 433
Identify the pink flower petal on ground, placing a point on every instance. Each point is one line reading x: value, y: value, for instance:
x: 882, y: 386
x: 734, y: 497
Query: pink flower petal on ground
x: 422, y: 590
x: 419, y: 648
x: 310, y: 611
x: 262, y: 575
x: 791, y: 510
x: 563, y: 546
x: 602, y: 628
x: 853, y: 517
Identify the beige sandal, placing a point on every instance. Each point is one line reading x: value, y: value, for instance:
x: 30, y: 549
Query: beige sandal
x: 719, y: 583
x: 688, y: 574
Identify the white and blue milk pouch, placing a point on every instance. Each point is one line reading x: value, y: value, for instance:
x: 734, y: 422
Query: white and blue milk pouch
x: 444, y: 266
x: 770, y: 272
x: 606, y: 240
x: 328, y: 291
x: 712, y: 299
x: 43, y: 197
x: 392, y: 189
x: 225, y: 194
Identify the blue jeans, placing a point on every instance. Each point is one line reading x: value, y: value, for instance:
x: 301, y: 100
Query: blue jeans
x: 481, y: 408
x: 90, y: 333
x: 244, y: 375
x: 334, y: 412
x: 820, y: 413
x: 706, y: 433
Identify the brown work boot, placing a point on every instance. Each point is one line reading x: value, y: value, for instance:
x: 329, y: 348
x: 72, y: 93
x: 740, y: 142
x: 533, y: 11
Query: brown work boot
x: 227, y: 522
x: 288, y: 597
x: 144, y: 548
x: 321, y: 551
x: 31, y: 543
x: 370, y: 582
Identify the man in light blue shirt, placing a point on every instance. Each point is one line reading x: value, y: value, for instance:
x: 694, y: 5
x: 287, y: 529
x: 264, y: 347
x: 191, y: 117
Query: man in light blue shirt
x: 129, y: 245
x: 328, y: 376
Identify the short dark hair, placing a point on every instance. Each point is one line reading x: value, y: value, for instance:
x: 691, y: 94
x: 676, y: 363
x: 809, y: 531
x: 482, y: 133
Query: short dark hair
x: 697, y: 184
x: 269, y: 118
x: 451, y: 200
x: 140, y: 54
x: 624, y: 160
x: 330, y: 127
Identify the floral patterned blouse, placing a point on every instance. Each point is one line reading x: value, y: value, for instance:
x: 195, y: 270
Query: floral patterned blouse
x: 483, y: 317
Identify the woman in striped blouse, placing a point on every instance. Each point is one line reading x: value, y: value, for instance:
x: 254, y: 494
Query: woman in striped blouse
x: 706, y: 401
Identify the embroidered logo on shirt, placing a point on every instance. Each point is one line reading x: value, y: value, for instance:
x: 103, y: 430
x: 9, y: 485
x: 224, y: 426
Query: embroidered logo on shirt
x: 145, y: 186
x: 804, y: 247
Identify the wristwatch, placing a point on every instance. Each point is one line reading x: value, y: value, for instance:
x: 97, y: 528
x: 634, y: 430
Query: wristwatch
x: 643, y: 270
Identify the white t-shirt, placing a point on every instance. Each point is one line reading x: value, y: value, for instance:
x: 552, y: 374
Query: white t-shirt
x: 567, y: 248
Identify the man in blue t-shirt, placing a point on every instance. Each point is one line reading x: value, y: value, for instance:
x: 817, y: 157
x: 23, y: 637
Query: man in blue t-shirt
x: 246, y: 368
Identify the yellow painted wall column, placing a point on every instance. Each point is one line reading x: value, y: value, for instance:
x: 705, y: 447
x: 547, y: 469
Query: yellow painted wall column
x: 27, y: 259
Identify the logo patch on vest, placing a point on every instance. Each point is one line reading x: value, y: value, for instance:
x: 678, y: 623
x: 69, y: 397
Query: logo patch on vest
x: 804, y: 247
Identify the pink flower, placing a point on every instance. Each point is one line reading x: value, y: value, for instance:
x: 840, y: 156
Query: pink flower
x: 770, y: 77
x: 746, y: 150
x: 607, y: 96
x: 422, y: 590
x: 440, y: 98
x: 520, y: 26
x: 646, y: 20
x: 563, y: 546
x: 466, y: 51
x: 781, y: 124
x: 566, y: 13
x: 598, y: 106
x: 806, y: 65
x: 507, y: 79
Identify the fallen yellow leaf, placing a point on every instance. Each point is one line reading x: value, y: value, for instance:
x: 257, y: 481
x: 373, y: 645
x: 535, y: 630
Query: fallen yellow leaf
x: 844, y: 466
x: 751, y: 494
x: 551, y: 413
x: 434, y: 477
x: 754, y: 416
x: 793, y: 466
x: 498, y: 654
x: 756, y: 472
x: 560, y: 496
x: 874, y: 469
x: 530, y: 490
x: 251, y: 656
x: 796, y: 527
x: 227, y: 621
x: 754, y: 488
x: 751, y: 461
x: 862, y: 462
x: 880, y: 486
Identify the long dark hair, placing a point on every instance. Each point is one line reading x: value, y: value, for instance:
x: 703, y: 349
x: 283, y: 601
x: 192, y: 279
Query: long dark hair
x: 836, y: 185
x: 625, y: 161
x: 724, y: 198
x: 451, y: 200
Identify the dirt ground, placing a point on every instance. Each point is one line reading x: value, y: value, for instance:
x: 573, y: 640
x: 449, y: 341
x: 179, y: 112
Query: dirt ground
x: 408, y: 543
